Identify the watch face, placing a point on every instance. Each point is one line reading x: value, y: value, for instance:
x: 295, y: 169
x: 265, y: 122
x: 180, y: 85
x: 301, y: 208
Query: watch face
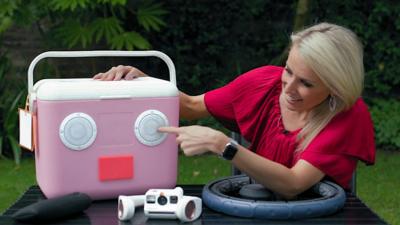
x: 230, y: 151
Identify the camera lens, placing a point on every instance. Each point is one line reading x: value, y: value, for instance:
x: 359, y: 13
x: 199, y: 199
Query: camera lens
x: 162, y: 200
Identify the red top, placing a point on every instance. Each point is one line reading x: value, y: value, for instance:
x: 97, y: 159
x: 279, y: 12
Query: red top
x: 250, y: 105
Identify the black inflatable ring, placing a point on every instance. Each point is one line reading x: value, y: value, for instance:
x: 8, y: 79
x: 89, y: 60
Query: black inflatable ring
x: 330, y: 198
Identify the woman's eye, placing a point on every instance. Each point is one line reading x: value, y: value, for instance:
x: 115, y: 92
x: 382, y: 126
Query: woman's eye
x: 305, y: 83
x: 288, y: 71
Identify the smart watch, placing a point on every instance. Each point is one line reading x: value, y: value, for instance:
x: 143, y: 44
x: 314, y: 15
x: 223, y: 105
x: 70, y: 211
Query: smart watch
x: 230, y: 150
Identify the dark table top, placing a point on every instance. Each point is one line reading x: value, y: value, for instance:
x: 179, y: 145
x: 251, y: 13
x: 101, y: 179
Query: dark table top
x: 105, y: 213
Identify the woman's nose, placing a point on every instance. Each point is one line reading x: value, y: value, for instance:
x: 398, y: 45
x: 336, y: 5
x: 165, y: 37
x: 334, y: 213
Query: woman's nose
x: 290, y: 86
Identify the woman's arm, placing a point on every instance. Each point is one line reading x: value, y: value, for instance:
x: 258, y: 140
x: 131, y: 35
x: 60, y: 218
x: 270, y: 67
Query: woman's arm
x: 192, y: 107
x: 288, y: 182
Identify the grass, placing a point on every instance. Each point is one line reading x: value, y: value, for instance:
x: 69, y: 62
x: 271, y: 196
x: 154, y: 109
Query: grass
x: 377, y: 186
x: 202, y: 169
x: 14, y: 180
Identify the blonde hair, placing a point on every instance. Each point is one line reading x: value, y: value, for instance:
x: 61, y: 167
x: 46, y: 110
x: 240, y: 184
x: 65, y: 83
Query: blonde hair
x: 335, y: 54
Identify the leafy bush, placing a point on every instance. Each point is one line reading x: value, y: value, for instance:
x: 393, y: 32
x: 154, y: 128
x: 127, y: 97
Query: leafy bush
x: 211, y: 42
x: 118, y: 24
x: 9, y: 100
x: 386, y: 117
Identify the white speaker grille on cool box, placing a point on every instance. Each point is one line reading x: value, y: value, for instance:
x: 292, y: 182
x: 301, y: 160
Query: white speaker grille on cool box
x: 78, y: 131
x: 146, y: 126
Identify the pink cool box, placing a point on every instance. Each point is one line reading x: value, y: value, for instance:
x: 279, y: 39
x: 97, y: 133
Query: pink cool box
x: 100, y: 137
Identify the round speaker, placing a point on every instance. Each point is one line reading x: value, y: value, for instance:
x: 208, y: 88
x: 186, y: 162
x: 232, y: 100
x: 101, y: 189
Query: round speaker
x: 78, y: 131
x: 146, y: 126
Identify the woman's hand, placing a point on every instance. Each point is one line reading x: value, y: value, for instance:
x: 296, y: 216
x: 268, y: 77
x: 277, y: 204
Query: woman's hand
x: 120, y: 72
x: 196, y: 140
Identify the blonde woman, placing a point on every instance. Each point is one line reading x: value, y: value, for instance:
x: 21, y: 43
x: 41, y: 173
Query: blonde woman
x: 305, y: 122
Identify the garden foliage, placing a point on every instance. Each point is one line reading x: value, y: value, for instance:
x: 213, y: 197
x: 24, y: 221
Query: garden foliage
x: 385, y: 114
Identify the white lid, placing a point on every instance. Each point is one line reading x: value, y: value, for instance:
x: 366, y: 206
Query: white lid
x: 87, y: 88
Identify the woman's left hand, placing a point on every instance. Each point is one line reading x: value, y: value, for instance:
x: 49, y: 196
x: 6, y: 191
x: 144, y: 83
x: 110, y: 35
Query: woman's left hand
x: 196, y: 140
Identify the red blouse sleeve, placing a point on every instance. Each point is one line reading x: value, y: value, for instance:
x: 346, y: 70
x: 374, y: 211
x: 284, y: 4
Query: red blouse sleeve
x: 348, y: 137
x: 237, y: 101
x: 219, y: 105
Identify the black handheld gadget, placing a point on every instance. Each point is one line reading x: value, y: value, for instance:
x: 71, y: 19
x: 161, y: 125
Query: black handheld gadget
x: 54, y: 209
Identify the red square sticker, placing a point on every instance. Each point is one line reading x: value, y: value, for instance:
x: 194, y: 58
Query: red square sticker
x: 115, y: 168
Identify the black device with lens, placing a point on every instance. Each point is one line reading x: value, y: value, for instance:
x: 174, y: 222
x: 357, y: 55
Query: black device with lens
x: 162, y: 200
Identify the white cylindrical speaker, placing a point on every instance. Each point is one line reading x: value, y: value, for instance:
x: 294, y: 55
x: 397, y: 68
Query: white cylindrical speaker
x: 189, y: 208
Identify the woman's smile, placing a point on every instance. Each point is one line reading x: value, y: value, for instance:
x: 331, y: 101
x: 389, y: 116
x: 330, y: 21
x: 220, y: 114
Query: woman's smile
x: 291, y: 99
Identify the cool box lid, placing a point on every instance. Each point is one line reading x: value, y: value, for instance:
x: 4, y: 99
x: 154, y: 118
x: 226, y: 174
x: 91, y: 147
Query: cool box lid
x: 87, y: 89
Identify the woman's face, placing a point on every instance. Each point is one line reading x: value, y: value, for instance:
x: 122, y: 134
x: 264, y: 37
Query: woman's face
x: 302, y: 90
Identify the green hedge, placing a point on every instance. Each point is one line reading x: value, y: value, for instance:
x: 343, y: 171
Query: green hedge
x: 385, y: 114
x: 378, y: 25
x: 211, y: 42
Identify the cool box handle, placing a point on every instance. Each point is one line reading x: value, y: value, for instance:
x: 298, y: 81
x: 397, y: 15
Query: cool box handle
x: 80, y: 54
